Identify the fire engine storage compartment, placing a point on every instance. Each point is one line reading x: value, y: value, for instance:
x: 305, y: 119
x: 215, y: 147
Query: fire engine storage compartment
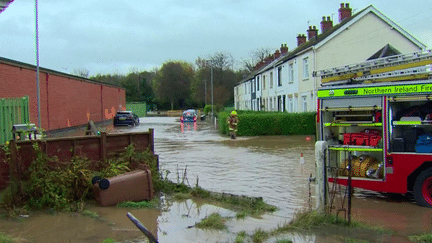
x: 411, y: 124
x: 353, y: 129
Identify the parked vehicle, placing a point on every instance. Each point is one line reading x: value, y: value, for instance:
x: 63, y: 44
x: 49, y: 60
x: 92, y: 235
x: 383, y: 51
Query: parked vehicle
x: 126, y: 118
x: 376, y: 118
x: 189, y: 116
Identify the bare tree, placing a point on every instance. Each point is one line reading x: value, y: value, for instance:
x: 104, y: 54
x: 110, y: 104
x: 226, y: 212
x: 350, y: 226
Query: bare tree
x: 81, y: 72
x: 256, y: 56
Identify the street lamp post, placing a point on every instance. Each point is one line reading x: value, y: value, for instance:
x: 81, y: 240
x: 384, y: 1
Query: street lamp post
x: 211, y: 78
x: 37, y: 66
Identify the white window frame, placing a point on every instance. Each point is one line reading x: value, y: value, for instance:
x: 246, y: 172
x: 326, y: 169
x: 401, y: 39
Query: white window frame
x: 290, y: 104
x: 258, y: 84
x: 291, y: 73
x: 304, y: 103
x: 271, y: 80
x: 306, y: 68
x: 279, y: 76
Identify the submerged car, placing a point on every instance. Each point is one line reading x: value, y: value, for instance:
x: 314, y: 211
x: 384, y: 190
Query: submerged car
x: 189, y: 116
x: 126, y: 118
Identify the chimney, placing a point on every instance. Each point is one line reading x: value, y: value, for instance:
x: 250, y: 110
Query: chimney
x: 284, y: 49
x: 326, y: 24
x: 301, y: 39
x: 344, y: 12
x: 277, y: 54
x: 312, y: 32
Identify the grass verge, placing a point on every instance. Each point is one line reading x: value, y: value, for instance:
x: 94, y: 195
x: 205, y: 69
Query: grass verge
x: 244, y: 206
x: 6, y: 239
x: 213, y: 221
x: 425, y: 238
x: 154, y: 203
x: 312, y: 220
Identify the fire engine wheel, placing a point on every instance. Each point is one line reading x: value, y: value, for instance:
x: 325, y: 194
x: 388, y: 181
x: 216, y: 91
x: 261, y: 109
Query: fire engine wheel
x: 423, y: 189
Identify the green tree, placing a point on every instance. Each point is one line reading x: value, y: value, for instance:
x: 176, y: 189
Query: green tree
x: 172, y: 83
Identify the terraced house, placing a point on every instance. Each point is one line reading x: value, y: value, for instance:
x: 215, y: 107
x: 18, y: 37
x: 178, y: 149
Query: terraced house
x: 284, y: 81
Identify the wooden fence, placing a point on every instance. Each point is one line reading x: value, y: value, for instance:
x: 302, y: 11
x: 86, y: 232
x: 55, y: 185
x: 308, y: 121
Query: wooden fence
x: 95, y: 148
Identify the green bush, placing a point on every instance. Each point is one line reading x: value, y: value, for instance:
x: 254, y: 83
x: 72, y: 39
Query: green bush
x: 270, y: 123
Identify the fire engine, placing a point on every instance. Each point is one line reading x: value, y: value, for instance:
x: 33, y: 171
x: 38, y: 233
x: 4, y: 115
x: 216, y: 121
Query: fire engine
x: 376, y: 117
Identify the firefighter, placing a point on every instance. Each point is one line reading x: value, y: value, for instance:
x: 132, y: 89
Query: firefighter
x: 232, y: 124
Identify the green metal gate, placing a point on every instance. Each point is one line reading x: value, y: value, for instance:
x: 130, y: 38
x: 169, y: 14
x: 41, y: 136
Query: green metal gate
x: 12, y: 111
x: 138, y: 108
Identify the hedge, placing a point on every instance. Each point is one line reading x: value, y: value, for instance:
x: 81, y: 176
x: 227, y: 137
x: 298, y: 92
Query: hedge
x: 255, y: 123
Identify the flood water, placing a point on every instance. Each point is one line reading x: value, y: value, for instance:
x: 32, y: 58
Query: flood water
x: 268, y: 166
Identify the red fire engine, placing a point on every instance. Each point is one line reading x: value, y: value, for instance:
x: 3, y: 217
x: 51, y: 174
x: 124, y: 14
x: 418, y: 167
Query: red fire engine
x: 377, y: 117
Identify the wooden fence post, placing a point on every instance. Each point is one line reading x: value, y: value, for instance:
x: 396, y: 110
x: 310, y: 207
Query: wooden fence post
x: 103, y: 146
x: 151, y: 139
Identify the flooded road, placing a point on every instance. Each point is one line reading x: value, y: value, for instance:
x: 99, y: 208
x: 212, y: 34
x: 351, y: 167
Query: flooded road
x: 269, y: 167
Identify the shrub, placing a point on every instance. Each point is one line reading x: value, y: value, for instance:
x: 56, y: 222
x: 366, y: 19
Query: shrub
x: 270, y: 123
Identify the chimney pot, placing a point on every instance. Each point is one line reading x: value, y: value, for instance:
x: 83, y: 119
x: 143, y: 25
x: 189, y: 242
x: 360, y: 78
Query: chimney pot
x: 283, y: 49
x: 326, y: 24
x: 344, y: 12
x: 301, y: 39
x: 277, y: 54
x: 312, y: 32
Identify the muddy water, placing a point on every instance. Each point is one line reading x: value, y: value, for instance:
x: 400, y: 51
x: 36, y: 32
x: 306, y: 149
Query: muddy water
x: 268, y: 167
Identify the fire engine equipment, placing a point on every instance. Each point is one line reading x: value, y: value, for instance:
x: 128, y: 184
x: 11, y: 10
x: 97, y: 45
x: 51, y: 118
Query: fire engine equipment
x: 387, y: 125
x: 361, y: 165
x: 424, y: 144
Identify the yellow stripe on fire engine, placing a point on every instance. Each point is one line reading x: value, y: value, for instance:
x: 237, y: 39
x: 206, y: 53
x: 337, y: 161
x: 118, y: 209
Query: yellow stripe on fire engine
x: 378, y: 90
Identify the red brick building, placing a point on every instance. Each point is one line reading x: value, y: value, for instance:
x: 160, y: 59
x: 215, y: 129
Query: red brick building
x: 65, y: 100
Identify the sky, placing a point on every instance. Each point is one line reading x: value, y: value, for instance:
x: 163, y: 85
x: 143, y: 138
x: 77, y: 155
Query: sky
x: 116, y: 37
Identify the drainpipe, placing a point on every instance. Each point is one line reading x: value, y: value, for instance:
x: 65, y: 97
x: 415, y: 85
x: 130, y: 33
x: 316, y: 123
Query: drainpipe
x: 314, y: 78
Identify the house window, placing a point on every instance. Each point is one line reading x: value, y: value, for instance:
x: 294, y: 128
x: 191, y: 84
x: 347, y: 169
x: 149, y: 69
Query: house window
x: 291, y: 73
x: 304, y: 103
x: 283, y: 103
x: 264, y: 82
x: 271, y: 80
x: 258, y: 84
x: 290, y: 104
x: 279, y: 76
x: 253, y: 87
x: 305, y: 68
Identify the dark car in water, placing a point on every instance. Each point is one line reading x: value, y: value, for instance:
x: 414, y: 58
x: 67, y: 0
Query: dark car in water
x: 189, y: 116
x: 126, y: 118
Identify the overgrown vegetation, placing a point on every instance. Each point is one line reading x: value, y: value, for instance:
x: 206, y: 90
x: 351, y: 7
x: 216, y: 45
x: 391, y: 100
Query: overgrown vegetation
x: 241, y: 236
x: 425, y: 238
x: 306, y: 220
x: 213, y: 221
x: 256, y: 123
x: 49, y: 183
x: 6, y: 239
x: 143, y: 204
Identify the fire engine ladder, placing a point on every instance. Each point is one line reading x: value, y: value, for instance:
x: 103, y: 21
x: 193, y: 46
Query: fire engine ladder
x: 396, y: 67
